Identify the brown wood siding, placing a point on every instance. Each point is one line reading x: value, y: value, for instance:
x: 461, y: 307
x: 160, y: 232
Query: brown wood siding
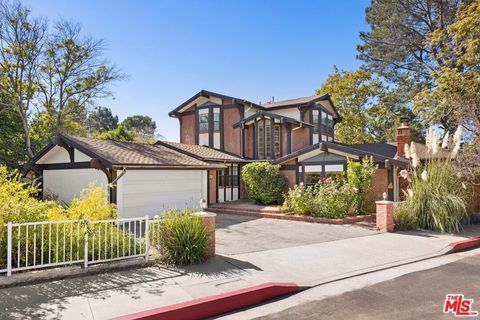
x: 301, y: 136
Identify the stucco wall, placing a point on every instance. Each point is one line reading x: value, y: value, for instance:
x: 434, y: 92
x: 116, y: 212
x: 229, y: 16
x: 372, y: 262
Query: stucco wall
x: 69, y: 183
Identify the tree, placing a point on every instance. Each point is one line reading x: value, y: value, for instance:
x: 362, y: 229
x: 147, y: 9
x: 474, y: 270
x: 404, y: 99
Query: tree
x: 398, y: 46
x: 143, y: 126
x: 101, y: 120
x: 21, y: 43
x: 120, y: 133
x: 73, y: 73
x: 368, y: 109
x: 456, y: 89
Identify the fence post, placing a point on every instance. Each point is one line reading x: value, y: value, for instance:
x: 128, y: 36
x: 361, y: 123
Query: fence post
x: 147, y: 238
x: 85, y: 250
x: 9, y: 249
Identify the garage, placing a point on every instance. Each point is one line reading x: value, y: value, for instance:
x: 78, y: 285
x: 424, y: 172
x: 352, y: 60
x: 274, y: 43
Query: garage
x: 141, y: 179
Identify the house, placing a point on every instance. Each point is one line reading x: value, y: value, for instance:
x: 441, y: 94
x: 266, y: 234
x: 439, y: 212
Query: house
x: 219, y: 134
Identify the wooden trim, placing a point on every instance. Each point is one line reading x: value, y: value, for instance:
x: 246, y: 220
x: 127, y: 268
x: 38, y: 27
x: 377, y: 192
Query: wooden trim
x: 181, y: 135
x: 222, y: 130
x: 113, y: 188
x: 97, y: 164
x: 216, y: 189
x: 255, y: 134
x: 231, y: 182
x: 312, y: 163
x: 224, y: 186
x: 210, y: 127
x: 297, y: 178
x: 390, y: 193
x: 272, y: 138
x: 289, y: 139
x: 197, y: 126
x: 242, y: 142
x: 288, y: 167
x: 239, y: 179
x: 311, y: 129
x: 208, y: 187
x: 66, y: 165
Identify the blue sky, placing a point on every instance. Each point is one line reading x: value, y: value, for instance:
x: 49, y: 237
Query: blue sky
x: 247, y: 49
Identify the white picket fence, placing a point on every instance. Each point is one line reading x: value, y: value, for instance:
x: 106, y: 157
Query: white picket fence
x: 46, y: 244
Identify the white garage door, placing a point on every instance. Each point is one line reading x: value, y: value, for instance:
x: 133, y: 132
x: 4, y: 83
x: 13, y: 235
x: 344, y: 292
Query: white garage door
x: 149, y: 192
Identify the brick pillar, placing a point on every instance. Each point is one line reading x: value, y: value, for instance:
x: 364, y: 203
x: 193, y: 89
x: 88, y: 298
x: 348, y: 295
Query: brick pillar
x: 385, y: 216
x: 208, y: 220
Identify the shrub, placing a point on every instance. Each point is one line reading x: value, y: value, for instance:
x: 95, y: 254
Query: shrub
x: 403, y: 218
x: 182, y: 238
x: 92, y: 205
x: 436, y: 192
x: 359, y: 178
x: 329, y: 199
x: 264, y: 183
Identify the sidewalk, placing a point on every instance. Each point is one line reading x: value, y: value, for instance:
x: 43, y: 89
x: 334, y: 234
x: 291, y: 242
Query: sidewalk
x: 108, y: 295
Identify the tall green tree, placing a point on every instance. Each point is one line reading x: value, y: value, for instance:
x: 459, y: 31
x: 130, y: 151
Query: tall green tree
x: 143, y: 126
x: 22, y: 39
x: 73, y: 73
x: 120, y: 133
x: 398, y: 45
x: 369, y: 110
x: 101, y: 119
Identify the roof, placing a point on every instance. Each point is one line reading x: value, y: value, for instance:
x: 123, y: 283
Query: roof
x: 422, y: 150
x: 202, y: 152
x: 205, y: 93
x: 272, y: 115
x: 133, y: 154
x: 303, y: 101
x: 349, y: 149
x: 289, y: 102
x: 381, y: 148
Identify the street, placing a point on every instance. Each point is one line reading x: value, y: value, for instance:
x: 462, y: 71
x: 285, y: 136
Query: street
x: 418, y: 295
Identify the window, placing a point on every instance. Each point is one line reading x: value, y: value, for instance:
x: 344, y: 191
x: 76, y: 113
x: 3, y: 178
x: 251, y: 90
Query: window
x: 228, y: 177
x: 216, y: 119
x: 277, y: 141
x: 204, y: 119
x: 315, y: 118
x: 324, y: 123
x: 261, y: 140
x: 330, y: 125
x: 203, y: 122
x: 312, y: 178
x: 267, y: 139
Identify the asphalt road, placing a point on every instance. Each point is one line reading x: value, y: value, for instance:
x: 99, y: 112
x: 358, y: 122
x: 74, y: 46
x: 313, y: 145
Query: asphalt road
x: 418, y: 295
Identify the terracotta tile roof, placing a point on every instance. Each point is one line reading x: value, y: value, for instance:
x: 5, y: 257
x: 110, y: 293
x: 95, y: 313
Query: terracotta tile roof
x: 134, y: 154
x: 202, y: 152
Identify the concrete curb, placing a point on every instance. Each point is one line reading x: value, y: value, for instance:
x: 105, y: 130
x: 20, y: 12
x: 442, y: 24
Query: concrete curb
x: 464, y: 245
x: 215, y: 305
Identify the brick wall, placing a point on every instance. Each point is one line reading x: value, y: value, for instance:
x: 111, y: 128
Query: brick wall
x: 187, y: 130
x: 231, y: 136
x: 212, y: 186
x: 379, y: 186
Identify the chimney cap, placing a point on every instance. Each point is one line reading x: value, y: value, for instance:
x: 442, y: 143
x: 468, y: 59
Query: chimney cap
x: 404, y: 119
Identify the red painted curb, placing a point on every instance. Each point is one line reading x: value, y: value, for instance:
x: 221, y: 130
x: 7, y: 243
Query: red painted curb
x: 465, y: 244
x: 215, y: 305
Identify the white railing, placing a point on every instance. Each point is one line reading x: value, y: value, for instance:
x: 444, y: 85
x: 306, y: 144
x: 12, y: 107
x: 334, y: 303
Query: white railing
x: 46, y: 244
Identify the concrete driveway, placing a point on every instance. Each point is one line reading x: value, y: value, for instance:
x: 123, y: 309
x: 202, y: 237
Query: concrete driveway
x: 241, y: 234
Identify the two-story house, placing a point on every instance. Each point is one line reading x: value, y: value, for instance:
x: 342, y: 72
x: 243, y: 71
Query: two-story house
x: 219, y: 134
x: 298, y: 134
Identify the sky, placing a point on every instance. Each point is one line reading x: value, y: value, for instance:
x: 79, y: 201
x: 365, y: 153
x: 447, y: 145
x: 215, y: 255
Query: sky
x: 248, y: 49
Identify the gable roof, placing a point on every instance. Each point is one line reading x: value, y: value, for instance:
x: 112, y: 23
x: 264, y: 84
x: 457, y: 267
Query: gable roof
x: 422, y: 150
x: 203, y: 153
x: 381, y: 148
x: 130, y: 154
x: 348, y: 149
x: 305, y: 101
x: 207, y: 94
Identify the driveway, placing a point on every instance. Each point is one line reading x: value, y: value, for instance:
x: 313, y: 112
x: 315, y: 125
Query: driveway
x: 237, y: 234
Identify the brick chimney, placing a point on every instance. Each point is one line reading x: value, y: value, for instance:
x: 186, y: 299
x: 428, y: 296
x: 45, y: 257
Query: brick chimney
x: 404, y: 136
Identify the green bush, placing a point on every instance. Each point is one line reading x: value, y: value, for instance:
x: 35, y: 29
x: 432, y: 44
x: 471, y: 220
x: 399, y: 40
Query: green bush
x: 436, y: 193
x: 404, y: 219
x: 264, y: 183
x: 359, y: 178
x: 329, y: 199
x: 182, y: 238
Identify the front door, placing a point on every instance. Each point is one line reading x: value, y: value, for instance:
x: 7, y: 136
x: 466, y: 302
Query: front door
x: 228, y: 181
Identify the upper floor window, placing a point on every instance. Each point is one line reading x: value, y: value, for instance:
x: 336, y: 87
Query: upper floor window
x: 315, y: 119
x: 265, y: 142
x: 204, y: 119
